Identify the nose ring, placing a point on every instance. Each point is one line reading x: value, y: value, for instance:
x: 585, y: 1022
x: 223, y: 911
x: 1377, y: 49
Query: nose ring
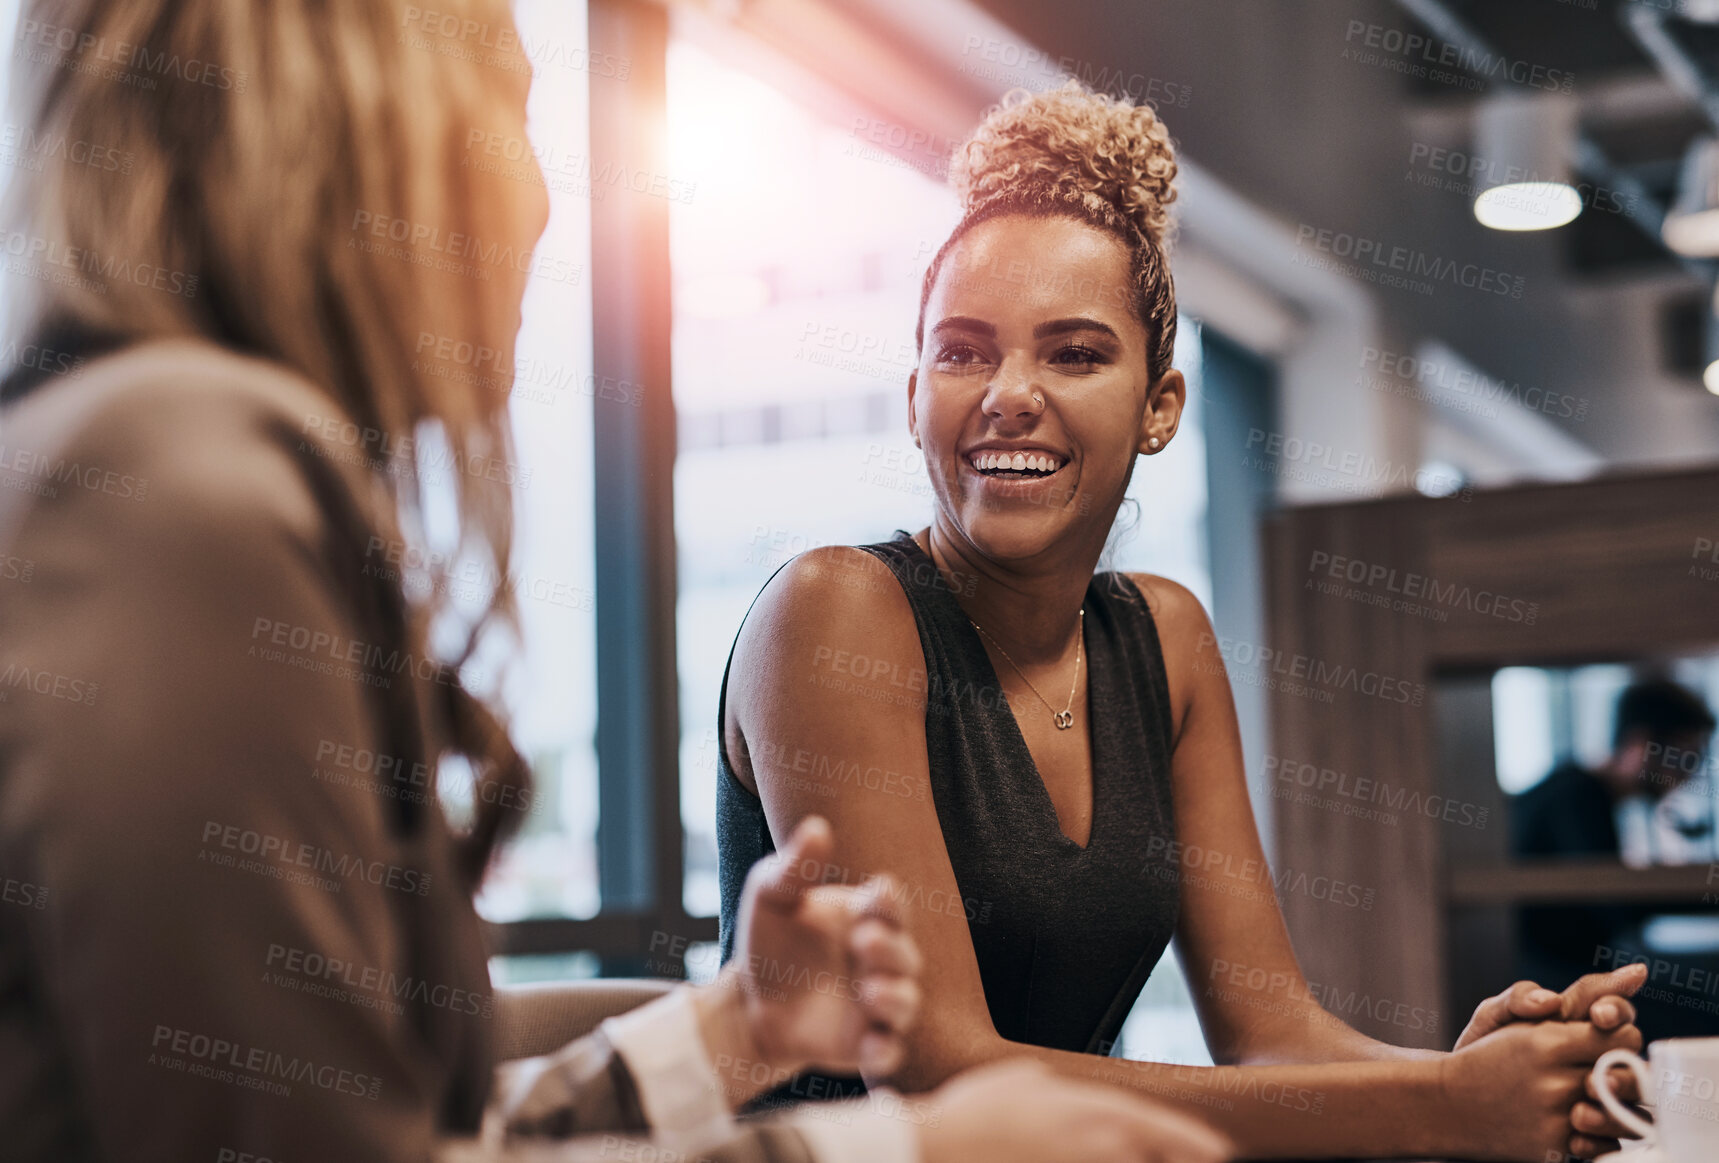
x: 1038, y: 399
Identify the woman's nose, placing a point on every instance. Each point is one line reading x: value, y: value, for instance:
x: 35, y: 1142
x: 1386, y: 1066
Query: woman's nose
x: 1011, y: 393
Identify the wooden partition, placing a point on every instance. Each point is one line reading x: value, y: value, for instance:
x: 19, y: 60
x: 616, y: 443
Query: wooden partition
x: 1369, y: 604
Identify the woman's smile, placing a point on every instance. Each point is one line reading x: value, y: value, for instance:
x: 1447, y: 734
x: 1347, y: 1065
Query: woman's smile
x: 1008, y: 471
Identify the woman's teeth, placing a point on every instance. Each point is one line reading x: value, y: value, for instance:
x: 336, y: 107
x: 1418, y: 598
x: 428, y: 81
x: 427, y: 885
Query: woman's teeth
x: 1021, y: 462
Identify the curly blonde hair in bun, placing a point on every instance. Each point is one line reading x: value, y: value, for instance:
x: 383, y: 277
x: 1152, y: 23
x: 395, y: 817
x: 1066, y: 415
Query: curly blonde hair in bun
x: 1075, y: 153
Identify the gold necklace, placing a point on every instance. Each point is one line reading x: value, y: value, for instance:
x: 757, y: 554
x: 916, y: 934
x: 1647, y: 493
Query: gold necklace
x: 1064, y: 718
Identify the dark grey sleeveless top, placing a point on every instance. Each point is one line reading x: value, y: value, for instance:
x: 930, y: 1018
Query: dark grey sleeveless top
x: 1065, y: 936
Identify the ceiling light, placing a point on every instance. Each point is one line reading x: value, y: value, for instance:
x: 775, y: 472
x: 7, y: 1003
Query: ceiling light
x: 1528, y: 206
x: 1710, y: 340
x: 1525, y: 144
x: 1692, y: 226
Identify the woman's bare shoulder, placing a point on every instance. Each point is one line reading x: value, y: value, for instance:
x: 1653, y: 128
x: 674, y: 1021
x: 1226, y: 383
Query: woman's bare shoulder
x: 1185, y: 635
x: 831, y: 626
x: 835, y: 592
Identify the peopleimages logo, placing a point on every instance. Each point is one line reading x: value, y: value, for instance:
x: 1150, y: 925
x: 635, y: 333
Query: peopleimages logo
x: 1444, y: 377
x: 1418, y: 586
x: 262, y: 1069
x: 1467, y: 174
x: 1291, y: 671
x: 1389, y: 265
x: 1328, y: 787
x: 1419, y: 55
x: 1361, y: 471
x: 315, y: 973
x: 1706, y: 548
x: 118, y: 60
x: 1172, y: 860
x: 273, y: 854
x: 29, y: 148
x: 1233, y: 981
x: 992, y: 59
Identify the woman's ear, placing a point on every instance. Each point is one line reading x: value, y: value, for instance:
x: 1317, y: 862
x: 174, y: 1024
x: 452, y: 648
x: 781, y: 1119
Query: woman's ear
x: 1164, y: 402
x: 912, y: 408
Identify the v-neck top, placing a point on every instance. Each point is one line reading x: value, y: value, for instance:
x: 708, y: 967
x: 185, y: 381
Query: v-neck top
x: 1065, y: 935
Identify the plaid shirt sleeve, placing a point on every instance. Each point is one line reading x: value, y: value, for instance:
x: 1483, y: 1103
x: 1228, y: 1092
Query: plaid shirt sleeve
x: 642, y: 1088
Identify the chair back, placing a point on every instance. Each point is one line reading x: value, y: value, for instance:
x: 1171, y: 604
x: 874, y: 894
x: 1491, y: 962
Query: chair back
x: 540, y: 1017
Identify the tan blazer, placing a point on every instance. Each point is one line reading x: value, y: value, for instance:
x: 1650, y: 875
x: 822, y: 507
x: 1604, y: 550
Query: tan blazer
x: 194, y: 665
x: 230, y: 923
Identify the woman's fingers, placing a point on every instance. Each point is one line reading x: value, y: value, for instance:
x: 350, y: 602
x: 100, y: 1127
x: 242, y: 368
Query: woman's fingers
x: 879, y: 899
x: 880, y: 1052
x: 878, y: 948
x: 797, y: 868
x: 1599, y: 998
x: 1586, y: 1147
x: 1524, y: 1001
x: 1530, y: 1002
x: 1609, y: 1013
x: 1596, y: 1132
x: 891, y: 1002
x: 1581, y: 1044
x: 1591, y: 1120
x: 1623, y: 1085
x: 1587, y: 991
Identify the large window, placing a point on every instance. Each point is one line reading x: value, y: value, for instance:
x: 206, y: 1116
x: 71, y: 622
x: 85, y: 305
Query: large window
x: 797, y: 272
x: 797, y: 264
x: 550, y: 869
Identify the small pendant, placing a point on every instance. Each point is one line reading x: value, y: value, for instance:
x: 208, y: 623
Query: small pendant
x: 1064, y: 720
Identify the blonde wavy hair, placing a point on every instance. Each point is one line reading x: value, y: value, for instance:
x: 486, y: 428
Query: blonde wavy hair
x: 255, y: 135
x: 1076, y: 153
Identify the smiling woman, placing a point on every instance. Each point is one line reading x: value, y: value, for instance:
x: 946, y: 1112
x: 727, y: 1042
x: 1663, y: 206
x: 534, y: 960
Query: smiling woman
x: 1049, y: 868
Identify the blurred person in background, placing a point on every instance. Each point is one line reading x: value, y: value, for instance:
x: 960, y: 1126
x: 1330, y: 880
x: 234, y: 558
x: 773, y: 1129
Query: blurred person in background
x: 236, y: 922
x: 1065, y: 788
x: 1658, y: 743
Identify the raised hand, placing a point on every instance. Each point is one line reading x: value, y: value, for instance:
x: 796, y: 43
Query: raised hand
x: 825, y: 975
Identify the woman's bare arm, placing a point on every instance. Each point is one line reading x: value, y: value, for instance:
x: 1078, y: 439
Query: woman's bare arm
x: 829, y: 684
x: 1253, y: 1000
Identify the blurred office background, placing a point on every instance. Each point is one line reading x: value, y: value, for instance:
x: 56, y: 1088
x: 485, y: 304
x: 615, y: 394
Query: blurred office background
x: 750, y: 191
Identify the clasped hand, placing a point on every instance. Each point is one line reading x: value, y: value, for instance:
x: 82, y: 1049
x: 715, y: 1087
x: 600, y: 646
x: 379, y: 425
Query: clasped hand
x: 1554, y: 1037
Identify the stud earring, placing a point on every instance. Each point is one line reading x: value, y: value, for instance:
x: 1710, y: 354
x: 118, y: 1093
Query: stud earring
x: 1154, y: 444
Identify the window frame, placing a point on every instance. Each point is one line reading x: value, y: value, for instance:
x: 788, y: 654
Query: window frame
x: 640, y: 861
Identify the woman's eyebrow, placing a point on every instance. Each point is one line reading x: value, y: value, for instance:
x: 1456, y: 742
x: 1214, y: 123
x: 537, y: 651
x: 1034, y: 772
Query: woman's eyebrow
x: 964, y: 323
x: 1076, y: 323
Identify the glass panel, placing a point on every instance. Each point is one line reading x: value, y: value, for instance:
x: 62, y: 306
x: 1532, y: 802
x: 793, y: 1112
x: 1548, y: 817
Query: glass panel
x: 1544, y: 716
x: 550, y: 869
x: 797, y: 256
x: 524, y: 968
x: 1594, y: 692
x: 1163, y: 1026
x: 1522, y: 740
x: 1161, y: 528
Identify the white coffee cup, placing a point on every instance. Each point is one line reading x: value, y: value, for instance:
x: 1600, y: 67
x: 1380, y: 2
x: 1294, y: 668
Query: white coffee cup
x: 1681, y: 1081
